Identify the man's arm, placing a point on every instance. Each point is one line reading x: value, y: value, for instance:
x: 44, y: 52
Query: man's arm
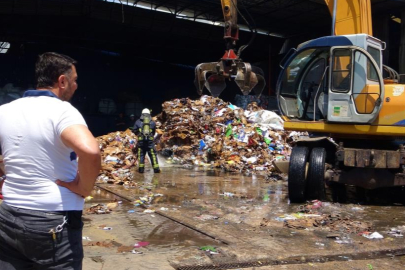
x: 80, y: 139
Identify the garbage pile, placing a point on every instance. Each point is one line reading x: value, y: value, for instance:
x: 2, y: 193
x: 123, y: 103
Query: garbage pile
x: 212, y: 133
x: 117, y: 157
x: 208, y: 132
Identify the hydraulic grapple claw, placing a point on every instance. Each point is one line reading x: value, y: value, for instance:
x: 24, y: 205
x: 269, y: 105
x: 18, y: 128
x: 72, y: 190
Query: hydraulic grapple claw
x: 212, y: 77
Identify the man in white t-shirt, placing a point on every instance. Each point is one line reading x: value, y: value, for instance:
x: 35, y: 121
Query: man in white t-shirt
x: 51, y: 162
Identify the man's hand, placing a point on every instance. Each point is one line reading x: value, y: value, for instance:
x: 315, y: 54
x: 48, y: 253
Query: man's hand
x: 72, y: 186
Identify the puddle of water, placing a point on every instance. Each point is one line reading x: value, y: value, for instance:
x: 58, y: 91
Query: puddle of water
x: 161, y: 233
x: 179, y: 185
x: 169, y: 235
x: 101, y: 196
x: 201, y: 191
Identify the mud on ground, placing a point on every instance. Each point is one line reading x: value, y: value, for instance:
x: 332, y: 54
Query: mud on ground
x: 245, y: 221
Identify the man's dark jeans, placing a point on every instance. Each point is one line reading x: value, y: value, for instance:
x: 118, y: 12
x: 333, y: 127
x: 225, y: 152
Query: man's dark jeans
x: 26, y: 241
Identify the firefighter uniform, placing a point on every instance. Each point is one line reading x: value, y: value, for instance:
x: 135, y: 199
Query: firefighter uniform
x: 145, y: 129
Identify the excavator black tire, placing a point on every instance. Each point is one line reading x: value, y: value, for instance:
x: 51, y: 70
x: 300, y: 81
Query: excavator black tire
x: 297, y: 174
x: 315, y: 188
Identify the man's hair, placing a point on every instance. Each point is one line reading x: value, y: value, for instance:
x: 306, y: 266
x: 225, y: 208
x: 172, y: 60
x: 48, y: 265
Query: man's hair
x: 50, y: 66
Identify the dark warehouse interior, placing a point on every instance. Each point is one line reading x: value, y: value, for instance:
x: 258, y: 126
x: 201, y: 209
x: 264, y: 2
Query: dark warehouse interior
x: 131, y: 56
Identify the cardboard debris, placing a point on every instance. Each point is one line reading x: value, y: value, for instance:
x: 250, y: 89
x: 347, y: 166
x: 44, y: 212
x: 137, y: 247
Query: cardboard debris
x: 208, y: 132
x: 333, y: 222
x: 98, y: 209
x: 117, y: 157
x: 212, y: 133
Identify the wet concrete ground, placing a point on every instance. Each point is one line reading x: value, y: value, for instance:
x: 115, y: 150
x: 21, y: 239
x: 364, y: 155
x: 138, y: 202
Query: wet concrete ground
x: 242, y: 218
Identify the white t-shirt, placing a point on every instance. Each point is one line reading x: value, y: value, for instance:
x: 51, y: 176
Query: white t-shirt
x: 35, y: 156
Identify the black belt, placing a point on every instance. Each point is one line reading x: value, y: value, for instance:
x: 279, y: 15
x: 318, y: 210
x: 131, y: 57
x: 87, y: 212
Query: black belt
x: 64, y: 213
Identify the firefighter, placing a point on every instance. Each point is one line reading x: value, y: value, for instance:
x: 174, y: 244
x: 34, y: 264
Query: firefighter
x: 145, y: 129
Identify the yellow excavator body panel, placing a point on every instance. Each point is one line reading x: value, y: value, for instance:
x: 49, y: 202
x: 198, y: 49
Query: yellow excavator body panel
x: 393, y: 110
x: 345, y: 129
x: 390, y: 120
x: 352, y: 16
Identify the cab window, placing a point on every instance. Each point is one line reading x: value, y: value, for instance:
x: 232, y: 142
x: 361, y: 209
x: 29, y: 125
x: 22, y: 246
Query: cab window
x: 341, y: 70
x: 371, y: 71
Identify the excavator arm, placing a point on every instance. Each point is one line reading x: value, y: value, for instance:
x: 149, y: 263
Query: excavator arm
x: 351, y: 16
x: 212, y: 76
x: 231, y: 23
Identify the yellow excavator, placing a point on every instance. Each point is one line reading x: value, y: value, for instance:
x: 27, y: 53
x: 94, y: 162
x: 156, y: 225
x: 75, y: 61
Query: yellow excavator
x: 212, y: 76
x: 333, y: 87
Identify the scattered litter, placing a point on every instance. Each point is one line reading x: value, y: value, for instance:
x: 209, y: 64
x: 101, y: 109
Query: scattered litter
x: 131, y: 211
x: 134, y: 251
x: 227, y: 194
x: 343, y: 240
x: 206, y: 217
x: 107, y: 228
x: 308, y: 207
x: 111, y: 206
x: 149, y: 211
x: 209, y: 248
x: 332, y: 221
x: 98, y: 209
x: 374, y: 235
x: 396, y: 232
x: 295, y: 216
x: 141, y: 244
x: 86, y: 238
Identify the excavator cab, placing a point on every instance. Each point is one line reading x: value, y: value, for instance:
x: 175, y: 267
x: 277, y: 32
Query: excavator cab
x: 212, y: 76
x: 334, y: 79
x: 332, y: 87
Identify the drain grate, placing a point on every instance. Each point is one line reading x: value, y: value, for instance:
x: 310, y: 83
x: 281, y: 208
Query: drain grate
x: 299, y: 260
x: 229, y: 265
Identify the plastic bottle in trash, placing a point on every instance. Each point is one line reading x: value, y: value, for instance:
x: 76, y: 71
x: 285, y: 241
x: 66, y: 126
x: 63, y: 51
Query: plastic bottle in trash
x: 280, y: 147
x: 202, y: 145
x: 228, y: 131
x: 242, y: 135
